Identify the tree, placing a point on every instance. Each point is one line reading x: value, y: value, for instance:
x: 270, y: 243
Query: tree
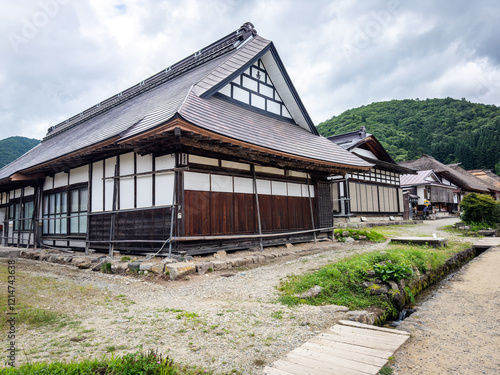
x: 480, y: 208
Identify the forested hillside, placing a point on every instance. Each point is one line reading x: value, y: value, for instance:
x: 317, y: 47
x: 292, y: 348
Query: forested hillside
x: 450, y: 130
x: 13, y: 147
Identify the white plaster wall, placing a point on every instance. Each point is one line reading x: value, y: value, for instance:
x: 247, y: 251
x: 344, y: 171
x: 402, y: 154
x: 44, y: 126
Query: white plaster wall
x: 79, y: 175
x: 97, y: 187
x: 164, y: 191
x: 60, y: 179
x: 109, y: 171
x: 48, y: 183
x: 243, y: 185
x: 196, y: 181
x: 420, y: 193
x: 165, y: 162
x: 29, y: 191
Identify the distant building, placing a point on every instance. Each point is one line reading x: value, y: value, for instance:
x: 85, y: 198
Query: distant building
x: 215, y: 152
x: 429, y: 194
x: 490, y: 179
x: 452, y: 175
x: 375, y: 193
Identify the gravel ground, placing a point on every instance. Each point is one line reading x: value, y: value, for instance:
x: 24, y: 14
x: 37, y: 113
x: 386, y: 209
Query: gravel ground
x: 226, y: 324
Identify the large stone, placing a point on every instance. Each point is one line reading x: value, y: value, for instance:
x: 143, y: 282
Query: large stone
x: 145, y: 266
x: 180, y: 270
x: 82, y: 262
x: 97, y: 266
x: 84, y: 265
x: 349, y: 240
x: 346, y: 233
x: 334, y: 308
x: 313, y: 292
x: 364, y: 317
x: 158, y: 268
x: 397, y: 297
x: 203, y: 268
x: 377, y: 290
x: 393, y: 284
x: 134, y: 266
x: 237, y: 262
x: 119, y: 267
x: 220, y: 265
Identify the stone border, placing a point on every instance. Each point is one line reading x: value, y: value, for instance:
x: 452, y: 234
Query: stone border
x: 172, y: 268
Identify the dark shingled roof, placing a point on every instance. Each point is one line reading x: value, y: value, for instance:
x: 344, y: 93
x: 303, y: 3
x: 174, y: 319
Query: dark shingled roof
x: 360, y: 138
x: 183, y: 89
x: 460, y: 177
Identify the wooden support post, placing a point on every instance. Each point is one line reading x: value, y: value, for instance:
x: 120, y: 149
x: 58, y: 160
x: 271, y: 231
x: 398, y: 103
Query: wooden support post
x: 311, y: 207
x: 258, y: 208
x: 89, y: 202
x: 18, y: 220
x: 172, y: 216
x: 113, y: 215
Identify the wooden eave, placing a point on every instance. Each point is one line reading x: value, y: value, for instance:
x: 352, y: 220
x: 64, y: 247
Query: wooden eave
x: 65, y: 162
x: 180, y: 134
x: 372, y: 144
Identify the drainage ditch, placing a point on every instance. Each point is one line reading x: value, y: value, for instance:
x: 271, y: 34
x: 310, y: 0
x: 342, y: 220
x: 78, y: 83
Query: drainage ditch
x: 426, y: 286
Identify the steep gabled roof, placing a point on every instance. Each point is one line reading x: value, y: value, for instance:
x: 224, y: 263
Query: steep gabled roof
x: 359, y: 140
x: 465, y: 180
x: 188, y: 91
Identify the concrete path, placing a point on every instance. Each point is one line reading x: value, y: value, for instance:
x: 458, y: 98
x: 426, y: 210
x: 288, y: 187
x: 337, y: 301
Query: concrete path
x: 349, y: 348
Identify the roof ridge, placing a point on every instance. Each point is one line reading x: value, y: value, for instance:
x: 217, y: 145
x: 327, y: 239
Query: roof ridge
x: 206, y: 54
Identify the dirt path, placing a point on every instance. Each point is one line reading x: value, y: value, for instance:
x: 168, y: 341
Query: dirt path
x: 457, y: 331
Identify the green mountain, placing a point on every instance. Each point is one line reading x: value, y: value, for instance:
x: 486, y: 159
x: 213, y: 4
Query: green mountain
x: 450, y: 130
x: 13, y: 147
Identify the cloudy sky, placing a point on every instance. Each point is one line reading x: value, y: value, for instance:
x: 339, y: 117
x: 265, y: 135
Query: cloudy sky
x: 59, y: 57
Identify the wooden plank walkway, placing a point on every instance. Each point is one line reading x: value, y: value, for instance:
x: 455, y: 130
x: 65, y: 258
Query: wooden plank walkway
x: 348, y: 348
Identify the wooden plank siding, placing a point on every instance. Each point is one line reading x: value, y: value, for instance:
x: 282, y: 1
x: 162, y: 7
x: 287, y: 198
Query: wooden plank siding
x: 133, y: 229
x: 214, y: 213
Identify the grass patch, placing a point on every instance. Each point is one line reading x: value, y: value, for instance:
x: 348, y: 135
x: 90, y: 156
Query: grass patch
x: 342, y: 281
x: 150, y: 363
x: 355, y: 233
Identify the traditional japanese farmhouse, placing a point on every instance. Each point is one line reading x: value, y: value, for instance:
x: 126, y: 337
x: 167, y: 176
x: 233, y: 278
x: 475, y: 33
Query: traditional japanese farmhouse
x: 373, y: 193
x: 215, y: 152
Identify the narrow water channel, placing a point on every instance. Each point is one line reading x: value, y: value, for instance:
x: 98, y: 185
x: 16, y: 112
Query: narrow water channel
x: 428, y: 293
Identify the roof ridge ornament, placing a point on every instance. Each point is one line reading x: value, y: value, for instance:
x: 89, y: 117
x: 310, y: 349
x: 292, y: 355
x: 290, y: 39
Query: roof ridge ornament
x: 248, y: 27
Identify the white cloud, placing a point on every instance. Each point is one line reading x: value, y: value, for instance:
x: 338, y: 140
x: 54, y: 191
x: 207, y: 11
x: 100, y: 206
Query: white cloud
x: 339, y: 54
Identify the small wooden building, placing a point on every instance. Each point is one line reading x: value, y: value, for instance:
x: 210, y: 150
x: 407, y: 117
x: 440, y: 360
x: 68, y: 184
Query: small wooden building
x: 374, y: 193
x: 448, y: 175
x: 442, y: 195
x: 215, y: 152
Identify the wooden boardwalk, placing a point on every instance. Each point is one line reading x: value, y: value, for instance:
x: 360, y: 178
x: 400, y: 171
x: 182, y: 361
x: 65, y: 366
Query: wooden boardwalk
x: 349, y: 348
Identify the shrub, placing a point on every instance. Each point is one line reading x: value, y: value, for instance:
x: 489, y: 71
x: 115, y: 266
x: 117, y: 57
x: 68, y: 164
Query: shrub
x: 480, y: 208
x: 391, y: 271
